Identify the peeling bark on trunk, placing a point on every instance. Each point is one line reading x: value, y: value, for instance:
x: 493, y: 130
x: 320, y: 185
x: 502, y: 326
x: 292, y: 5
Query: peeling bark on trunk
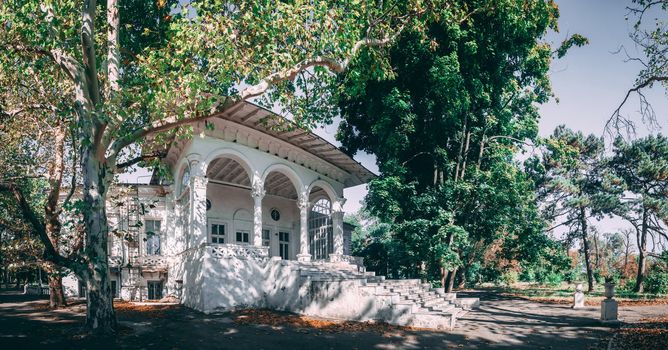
x: 56, y: 294
x: 100, y: 315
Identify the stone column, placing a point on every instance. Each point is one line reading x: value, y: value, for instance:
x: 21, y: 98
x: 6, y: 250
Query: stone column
x: 303, y: 205
x: 337, y: 225
x: 257, y: 193
x: 198, y: 224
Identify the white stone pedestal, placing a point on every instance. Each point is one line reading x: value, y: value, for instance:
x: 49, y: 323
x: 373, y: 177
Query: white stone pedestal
x: 578, y: 300
x: 304, y: 257
x: 578, y: 297
x: 335, y: 258
x: 609, y: 310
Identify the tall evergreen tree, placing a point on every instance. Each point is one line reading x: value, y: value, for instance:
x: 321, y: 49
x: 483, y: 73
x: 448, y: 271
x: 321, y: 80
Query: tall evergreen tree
x: 571, y: 190
x: 642, y: 167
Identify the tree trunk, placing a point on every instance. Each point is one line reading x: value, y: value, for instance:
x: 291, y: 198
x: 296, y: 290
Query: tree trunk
x: 451, y: 280
x: 585, y: 251
x: 444, y: 275
x: 56, y: 294
x: 642, y: 250
x: 597, y: 261
x: 100, y: 315
x: 626, y: 254
x: 462, y: 277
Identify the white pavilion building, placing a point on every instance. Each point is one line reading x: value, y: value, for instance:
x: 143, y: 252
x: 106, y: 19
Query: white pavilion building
x: 254, y: 218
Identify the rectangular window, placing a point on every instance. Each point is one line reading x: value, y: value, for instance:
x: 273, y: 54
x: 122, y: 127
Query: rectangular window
x: 217, y: 233
x: 152, y: 232
x: 154, y: 290
x: 265, y: 238
x: 242, y: 236
x: 283, y: 245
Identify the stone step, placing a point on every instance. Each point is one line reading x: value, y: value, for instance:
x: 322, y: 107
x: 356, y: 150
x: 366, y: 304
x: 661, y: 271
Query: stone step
x: 403, y: 288
x: 332, y: 279
x: 415, y: 295
x: 443, y: 307
x: 467, y: 303
x: 432, y: 320
x: 432, y: 301
x: 421, y: 297
x: 406, y: 282
x: 411, y: 306
x: 375, y: 278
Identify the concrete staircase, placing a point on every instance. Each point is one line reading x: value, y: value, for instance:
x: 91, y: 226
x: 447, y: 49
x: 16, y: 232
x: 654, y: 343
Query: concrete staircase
x: 417, y: 304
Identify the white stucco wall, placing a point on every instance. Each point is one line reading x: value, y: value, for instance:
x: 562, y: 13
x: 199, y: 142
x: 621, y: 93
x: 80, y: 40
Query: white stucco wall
x: 233, y: 283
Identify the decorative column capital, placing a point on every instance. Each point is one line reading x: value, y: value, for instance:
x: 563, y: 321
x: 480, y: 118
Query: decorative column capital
x: 258, y: 191
x: 337, y: 205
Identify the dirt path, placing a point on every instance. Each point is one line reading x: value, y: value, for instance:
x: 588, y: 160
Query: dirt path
x: 501, y: 322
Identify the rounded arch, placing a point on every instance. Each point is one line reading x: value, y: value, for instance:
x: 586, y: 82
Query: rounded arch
x: 243, y: 226
x: 185, y: 166
x: 329, y: 190
x: 242, y: 214
x: 290, y: 173
x: 225, y: 152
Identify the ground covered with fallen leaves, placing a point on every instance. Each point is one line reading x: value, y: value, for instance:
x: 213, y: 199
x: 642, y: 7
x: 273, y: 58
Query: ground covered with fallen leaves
x: 273, y: 318
x: 646, y: 334
x: 501, y: 323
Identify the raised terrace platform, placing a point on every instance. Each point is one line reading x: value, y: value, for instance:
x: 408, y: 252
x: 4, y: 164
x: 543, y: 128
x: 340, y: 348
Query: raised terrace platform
x: 336, y: 290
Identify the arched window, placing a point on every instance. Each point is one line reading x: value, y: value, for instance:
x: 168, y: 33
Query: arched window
x: 320, y: 231
x: 185, y: 181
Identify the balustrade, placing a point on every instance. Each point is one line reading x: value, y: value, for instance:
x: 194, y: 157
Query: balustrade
x: 244, y: 252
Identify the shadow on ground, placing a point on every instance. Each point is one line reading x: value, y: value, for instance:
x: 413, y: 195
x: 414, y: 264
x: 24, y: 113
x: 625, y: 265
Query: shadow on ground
x: 501, y: 323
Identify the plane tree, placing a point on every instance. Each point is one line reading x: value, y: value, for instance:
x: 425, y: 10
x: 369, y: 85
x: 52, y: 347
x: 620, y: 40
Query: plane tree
x: 129, y: 79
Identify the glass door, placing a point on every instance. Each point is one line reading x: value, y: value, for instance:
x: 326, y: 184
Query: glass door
x: 154, y: 290
x: 284, y: 245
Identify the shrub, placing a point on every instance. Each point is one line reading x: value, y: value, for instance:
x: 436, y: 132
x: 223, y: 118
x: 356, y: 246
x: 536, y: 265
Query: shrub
x: 628, y: 285
x: 474, y: 273
x: 572, y: 275
x: 528, y: 275
x: 554, y: 279
x: 509, y: 278
x: 657, y: 282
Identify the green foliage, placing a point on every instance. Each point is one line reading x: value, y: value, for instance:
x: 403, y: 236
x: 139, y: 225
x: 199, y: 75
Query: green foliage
x: 551, y: 265
x: 554, y: 279
x: 571, y: 188
x: 508, y: 278
x: 641, y: 167
x: 444, y: 124
x: 639, y: 170
x: 657, y: 282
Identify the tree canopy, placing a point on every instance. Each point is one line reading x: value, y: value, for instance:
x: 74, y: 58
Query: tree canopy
x: 445, y: 123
